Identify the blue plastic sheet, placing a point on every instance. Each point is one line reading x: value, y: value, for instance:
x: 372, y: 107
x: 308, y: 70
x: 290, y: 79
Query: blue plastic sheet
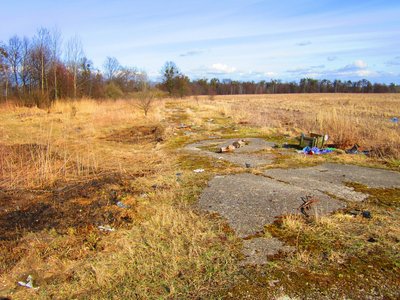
x: 316, y: 150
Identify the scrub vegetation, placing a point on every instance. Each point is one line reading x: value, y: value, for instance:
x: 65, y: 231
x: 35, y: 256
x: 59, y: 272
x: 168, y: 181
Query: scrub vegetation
x: 98, y: 199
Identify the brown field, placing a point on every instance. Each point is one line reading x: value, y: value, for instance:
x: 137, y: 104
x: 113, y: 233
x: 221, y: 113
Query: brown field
x: 64, y: 170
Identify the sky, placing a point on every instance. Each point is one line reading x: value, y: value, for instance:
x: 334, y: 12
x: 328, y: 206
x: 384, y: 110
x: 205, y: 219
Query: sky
x: 237, y: 39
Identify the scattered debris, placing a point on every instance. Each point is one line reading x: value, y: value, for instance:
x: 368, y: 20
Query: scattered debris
x: 316, y: 150
x: 199, y: 170
x: 239, y: 143
x: 366, y: 214
x: 247, y: 165
x: 353, y: 150
x: 356, y: 150
x: 28, y: 283
x: 122, y: 205
x: 229, y: 148
x: 183, y: 126
x: 179, y: 177
x: 106, y: 228
x: 313, y: 140
x: 308, y: 202
x: 354, y: 212
x: 372, y: 240
x: 272, y: 283
x: 394, y: 120
x: 233, y: 146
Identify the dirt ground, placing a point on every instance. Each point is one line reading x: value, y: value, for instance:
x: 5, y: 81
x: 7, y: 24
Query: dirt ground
x: 113, y: 208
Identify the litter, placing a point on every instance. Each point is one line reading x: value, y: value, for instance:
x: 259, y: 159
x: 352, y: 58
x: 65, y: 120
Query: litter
x: 106, y: 228
x: 248, y: 165
x: 235, y: 145
x: 229, y: 148
x: 28, y: 283
x: 394, y: 120
x: 314, y: 140
x: 199, y: 170
x: 356, y: 150
x: 239, y: 143
x: 353, y: 150
x: 122, y: 205
x: 179, y: 177
x: 366, y: 214
x: 316, y: 150
x: 183, y: 126
x: 308, y: 202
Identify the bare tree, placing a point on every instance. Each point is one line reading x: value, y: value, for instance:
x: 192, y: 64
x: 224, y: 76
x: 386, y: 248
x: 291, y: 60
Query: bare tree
x: 43, y: 54
x: 56, y: 41
x: 131, y: 80
x: 25, y: 67
x: 4, y: 70
x: 74, y: 55
x: 145, y: 100
x: 111, y: 67
x: 14, y: 50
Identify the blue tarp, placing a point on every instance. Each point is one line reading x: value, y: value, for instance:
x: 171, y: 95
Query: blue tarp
x: 316, y: 150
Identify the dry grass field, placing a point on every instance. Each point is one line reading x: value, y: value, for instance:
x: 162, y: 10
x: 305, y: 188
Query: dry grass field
x: 67, y: 171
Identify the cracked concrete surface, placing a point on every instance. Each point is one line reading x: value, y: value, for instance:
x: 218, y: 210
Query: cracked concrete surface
x: 241, y: 156
x: 249, y: 202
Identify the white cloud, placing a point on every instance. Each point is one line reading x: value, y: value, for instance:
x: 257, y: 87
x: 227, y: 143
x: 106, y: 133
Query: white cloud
x: 270, y: 74
x: 360, y: 64
x: 222, y: 69
x: 191, y: 53
x: 354, y: 67
x: 365, y: 73
x: 358, y: 68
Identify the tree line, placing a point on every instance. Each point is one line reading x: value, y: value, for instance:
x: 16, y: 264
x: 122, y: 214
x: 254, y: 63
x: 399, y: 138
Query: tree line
x: 44, y: 68
x: 177, y: 84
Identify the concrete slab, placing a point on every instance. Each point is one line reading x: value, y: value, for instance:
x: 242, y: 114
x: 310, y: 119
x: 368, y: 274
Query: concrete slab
x: 330, y: 178
x: 248, y: 202
x: 241, y: 156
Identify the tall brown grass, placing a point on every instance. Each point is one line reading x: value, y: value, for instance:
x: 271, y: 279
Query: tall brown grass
x: 347, y: 118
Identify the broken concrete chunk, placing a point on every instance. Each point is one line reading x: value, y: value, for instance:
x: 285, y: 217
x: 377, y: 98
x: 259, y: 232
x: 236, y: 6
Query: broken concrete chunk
x: 239, y: 143
x: 28, y: 283
x: 229, y: 148
x: 106, y: 228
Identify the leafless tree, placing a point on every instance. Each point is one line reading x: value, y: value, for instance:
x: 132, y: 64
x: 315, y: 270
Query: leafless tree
x: 56, y: 41
x: 25, y: 67
x: 4, y: 67
x: 111, y: 67
x: 74, y: 55
x: 145, y: 100
x: 42, y: 53
x: 14, y: 50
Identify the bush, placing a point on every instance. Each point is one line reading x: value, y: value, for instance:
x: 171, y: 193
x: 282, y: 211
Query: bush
x: 113, y: 91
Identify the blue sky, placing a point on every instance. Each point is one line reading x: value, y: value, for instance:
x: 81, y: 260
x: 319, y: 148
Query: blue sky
x: 238, y: 39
